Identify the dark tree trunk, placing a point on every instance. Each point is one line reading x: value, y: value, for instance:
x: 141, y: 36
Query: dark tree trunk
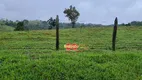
x: 57, y: 33
x: 114, y: 34
x: 73, y: 24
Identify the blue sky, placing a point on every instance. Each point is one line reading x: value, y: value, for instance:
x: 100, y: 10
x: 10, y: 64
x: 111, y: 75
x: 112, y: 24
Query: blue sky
x: 91, y: 11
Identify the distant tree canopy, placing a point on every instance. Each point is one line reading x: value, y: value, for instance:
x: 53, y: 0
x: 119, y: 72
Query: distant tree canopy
x: 136, y: 23
x: 20, y: 26
x: 133, y: 23
x: 7, y: 22
x: 51, y: 23
x: 72, y: 15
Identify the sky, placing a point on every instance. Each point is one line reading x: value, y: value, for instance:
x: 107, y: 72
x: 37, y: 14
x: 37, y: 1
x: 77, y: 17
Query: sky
x: 91, y: 11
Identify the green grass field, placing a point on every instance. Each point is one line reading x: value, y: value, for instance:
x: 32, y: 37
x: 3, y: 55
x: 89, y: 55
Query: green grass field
x: 31, y: 55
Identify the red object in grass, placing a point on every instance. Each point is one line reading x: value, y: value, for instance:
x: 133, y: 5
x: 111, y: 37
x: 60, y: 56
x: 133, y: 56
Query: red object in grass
x: 68, y: 46
x: 74, y: 47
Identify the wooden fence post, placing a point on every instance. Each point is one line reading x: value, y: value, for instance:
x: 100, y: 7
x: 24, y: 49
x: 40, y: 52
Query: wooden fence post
x: 114, y: 34
x: 57, y: 32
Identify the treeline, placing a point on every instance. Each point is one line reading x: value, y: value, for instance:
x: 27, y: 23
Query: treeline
x: 28, y: 24
x: 40, y: 24
x: 133, y: 23
x: 49, y: 24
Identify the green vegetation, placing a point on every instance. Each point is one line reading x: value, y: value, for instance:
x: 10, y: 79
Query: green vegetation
x: 32, y: 55
x: 6, y: 28
x: 51, y: 23
x: 20, y: 26
x: 72, y: 15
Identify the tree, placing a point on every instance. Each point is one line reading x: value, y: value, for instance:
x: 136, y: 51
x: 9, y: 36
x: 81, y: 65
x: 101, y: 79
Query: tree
x: 20, y: 26
x: 51, y: 22
x: 25, y: 24
x: 44, y: 25
x: 129, y: 24
x: 72, y: 15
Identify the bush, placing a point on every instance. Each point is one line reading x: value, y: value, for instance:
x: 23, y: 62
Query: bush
x: 20, y: 26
